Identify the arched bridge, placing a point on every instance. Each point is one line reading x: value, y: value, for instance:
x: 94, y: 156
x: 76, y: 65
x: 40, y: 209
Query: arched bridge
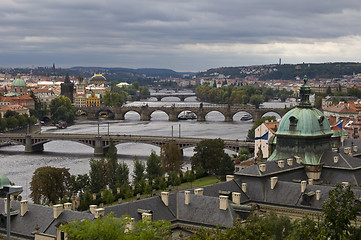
x: 175, y: 110
x: 181, y: 96
x: 35, y: 142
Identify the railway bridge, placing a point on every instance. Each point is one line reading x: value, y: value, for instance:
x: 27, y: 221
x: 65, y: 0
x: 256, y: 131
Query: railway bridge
x: 35, y: 142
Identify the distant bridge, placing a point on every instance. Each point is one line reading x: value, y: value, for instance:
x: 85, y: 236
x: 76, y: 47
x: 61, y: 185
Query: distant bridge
x: 35, y: 142
x: 200, y: 110
x: 181, y: 96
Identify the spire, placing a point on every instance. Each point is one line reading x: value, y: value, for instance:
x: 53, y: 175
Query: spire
x: 67, y: 79
x: 305, y: 91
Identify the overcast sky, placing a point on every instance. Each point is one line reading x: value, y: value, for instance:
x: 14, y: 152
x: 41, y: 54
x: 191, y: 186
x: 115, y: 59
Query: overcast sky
x: 184, y: 35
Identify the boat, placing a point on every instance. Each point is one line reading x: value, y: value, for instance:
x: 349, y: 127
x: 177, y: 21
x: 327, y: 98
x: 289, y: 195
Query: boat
x: 246, y: 117
x: 61, y: 124
x: 188, y: 115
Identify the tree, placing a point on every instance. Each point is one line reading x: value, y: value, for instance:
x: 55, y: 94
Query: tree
x: 210, y: 155
x: 154, y: 166
x: 61, y: 109
x: 172, y: 158
x: 115, y: 98
x: 79, y: 183
x: 110, y: 227
x: 97, y: 175
x: 49, y: 184
x: 112, y: 165
x: 122, y: 174
x: 138, y: 172
x: 340, y: 210
x: 256, y: 100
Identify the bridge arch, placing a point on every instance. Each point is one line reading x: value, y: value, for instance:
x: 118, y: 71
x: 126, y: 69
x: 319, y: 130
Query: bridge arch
x: 159, y: 112
x: 130, y: 111
x: 237, y: 116
x: 215, y: 114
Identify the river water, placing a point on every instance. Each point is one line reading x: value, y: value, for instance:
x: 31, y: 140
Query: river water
x: 19, y: 167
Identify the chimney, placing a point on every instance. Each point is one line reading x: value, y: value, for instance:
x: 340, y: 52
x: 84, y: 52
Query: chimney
x: 118, y: 190
x: 281, y: 163
x: 198, y: 191
x: 273, y: 182
x: 67, y: 206
x: 165, y: 198
x: 244, y: 187
x: 347, y: 150
x: 303, y: 185
x: 187, y: 197
x: 24, y: 207
x: 345, y: 184
x: 57, y: 210
x: 335, y: 159
x: 290, y: 161
x: 99, y: 212
x: 236, y: 197
x: 223, y: 202
x: 94, y: 195
x: 318, y: 195
x: 355, y: 148
x: 262, y: 167
x: 6, y: 206
x: 229, y: 177
x: 310, y: 181
x: 298, y: 160
x: 146, y: 216
x: 92, y: 208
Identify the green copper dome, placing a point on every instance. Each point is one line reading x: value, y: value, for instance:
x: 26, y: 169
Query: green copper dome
x: 4, y: 181
x: 303, y: 131
x: 304, y: 122
x: 18, y: 82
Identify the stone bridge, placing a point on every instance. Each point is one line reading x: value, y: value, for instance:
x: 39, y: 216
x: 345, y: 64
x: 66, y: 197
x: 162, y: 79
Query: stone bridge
x: 175, y: 110
x: 181, y: 96
x: 35, y: 142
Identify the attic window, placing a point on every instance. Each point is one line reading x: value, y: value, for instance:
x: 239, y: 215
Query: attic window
x: 293, y: 123
x: 320, y: 120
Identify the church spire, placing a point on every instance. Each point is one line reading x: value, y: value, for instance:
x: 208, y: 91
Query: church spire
x: 305, y: 92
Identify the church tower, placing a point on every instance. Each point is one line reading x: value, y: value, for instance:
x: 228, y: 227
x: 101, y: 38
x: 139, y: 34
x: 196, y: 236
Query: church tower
x: 67, y: 88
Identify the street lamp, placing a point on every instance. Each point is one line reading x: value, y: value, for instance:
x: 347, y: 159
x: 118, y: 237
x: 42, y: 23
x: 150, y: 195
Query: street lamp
x: 10, y: 190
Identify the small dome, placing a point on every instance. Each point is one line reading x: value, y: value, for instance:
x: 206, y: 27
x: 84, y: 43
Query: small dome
x: 18, y: 82
x: 4, y: 181
x: 304, y: 122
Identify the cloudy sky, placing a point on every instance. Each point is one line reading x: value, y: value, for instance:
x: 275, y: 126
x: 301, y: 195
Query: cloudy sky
x: 184, y: 35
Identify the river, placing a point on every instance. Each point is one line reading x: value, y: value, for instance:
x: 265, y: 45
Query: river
x: 19, y: 167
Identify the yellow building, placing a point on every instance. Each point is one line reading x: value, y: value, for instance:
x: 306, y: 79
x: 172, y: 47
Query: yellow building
x: 92, y: 100
x: 80, y: 100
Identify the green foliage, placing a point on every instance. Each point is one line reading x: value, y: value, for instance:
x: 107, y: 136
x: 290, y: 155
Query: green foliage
x: 97, y: 175
x: 339, y: 211
x: 256, y: 100
x: 210, y: 156
x: 172, y: 158
x: 112, y: 165
x: 61, y: 109
x: 108, y: 196
x: 79, y: 183
x: 115, y: 98
x: 174, y: 179
x: 122, y: 174
x: 154, y: 166
x: 138, y: 172
x: 49, y: 184
x: 39, y: 109
x: 250, y: 135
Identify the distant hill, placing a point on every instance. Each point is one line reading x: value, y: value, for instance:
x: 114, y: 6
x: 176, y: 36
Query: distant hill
x: 288, y: 71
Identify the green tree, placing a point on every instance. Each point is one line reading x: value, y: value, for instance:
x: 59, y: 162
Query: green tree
x: 97, y: 175
x: 138, y: 172
x: 112, y: 165
x: 172, y: 158
x: 110, y: 227
x: 256, y: 100
x: 340, y: 210
x: 61, y: 109
x: 49, y: 184
x: 318, y: 102
x: 209, y: 155
x: 115, y: 98
x: 154, y: 166
x: 79, y: 183
x: 122, y: 174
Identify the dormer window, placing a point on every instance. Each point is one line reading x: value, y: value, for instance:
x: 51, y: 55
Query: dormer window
x: 293, y: 123
x: 320, y: 120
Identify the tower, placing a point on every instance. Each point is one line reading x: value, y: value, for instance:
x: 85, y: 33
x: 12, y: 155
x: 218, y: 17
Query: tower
x: 67, y: 88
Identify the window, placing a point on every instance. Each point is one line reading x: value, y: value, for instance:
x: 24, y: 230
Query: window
x: 293, y: 123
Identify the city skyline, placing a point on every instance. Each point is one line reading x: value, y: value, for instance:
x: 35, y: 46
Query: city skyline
x: 180, y: 35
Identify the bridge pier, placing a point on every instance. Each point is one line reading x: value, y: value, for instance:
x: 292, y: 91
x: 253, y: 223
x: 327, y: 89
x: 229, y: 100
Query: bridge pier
x: 30, y: 148
x: 98, y: 148
x: 228, y: 118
